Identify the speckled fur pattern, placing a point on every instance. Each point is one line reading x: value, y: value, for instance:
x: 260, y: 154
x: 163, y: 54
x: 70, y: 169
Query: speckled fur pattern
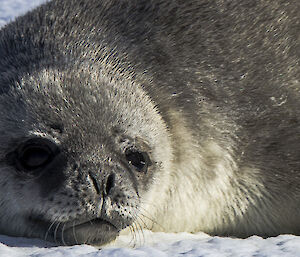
x: 210, y: 89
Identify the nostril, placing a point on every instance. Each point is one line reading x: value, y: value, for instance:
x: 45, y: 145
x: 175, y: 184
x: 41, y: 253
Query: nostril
x: 95, y: 183
x: 110, y: 183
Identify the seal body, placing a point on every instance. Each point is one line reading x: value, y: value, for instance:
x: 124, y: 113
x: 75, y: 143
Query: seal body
x: 166, y: 115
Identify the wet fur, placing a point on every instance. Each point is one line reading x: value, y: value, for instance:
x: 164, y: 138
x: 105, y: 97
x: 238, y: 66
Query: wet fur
x: 211, y: 87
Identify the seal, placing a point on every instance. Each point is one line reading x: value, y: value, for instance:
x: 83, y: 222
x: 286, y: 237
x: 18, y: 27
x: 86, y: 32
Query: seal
x: 166, y: 115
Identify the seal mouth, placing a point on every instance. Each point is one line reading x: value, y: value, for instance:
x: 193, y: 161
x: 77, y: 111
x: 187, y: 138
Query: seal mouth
x: 94, y: 231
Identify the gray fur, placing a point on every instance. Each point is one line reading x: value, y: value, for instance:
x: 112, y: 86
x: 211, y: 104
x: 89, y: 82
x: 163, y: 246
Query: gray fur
x: 209, y: 89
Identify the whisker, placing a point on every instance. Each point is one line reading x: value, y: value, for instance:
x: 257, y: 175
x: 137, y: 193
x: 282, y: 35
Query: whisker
x: 148, y: 203
x: 48, y: 230
x: 62, y: 235
x: 136, y: 234
x: 138, y: 229
x: 133, y: 240
x: 144, y: 223
x: 143, y: 211
x: 74, y: 233
x: 140, y: 232
x: 55, y: 232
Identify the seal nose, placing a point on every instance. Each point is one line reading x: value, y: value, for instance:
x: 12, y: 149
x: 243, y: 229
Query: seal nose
x: 95, y: 183
x: 110, y: 183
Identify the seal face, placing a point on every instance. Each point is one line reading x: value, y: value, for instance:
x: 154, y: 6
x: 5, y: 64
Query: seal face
x: 166, y: 115
x: 77, y: 163
x: 79, y: 181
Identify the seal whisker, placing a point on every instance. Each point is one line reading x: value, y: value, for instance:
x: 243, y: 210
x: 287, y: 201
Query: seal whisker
x: 137, y: 235
x: 143, y: 211
x: 139, y: 228
x: 74, y: 232
x: 55, y: 232
x: 140, y: 232
x: 135, y: 231
x: 62, y: 235
x: 141, y: 219
x: 48, y: 230
x: 149, y: 203
x: 133, y: 240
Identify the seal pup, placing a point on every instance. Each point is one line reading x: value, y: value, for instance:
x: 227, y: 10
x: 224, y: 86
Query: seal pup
x: 167, y: 115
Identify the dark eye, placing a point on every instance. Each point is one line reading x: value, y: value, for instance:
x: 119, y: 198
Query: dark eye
x: 140, y: 160
x: 33, y: 154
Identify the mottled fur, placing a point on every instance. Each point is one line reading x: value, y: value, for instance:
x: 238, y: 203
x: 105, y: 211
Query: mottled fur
x: 210, y: 89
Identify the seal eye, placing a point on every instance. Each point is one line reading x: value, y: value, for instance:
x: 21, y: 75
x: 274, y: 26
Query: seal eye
x: 140, y: 160
x: 33, y: 154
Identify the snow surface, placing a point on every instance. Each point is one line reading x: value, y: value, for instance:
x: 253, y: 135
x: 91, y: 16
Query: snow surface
x: 159, y: 245
x: 144, y: 243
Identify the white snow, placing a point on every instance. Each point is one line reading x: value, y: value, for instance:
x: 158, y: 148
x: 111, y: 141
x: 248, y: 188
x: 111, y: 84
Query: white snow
x: 159, y: 245
x: 146, y: 243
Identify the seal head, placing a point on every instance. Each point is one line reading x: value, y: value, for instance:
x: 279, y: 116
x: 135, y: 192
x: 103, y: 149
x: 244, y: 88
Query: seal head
x: 77, y: 159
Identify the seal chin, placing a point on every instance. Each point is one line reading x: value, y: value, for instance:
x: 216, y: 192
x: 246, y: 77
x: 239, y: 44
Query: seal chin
x: 94, y: 232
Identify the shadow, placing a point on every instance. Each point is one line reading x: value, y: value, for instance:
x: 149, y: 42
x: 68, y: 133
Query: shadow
x: 24, y: 242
